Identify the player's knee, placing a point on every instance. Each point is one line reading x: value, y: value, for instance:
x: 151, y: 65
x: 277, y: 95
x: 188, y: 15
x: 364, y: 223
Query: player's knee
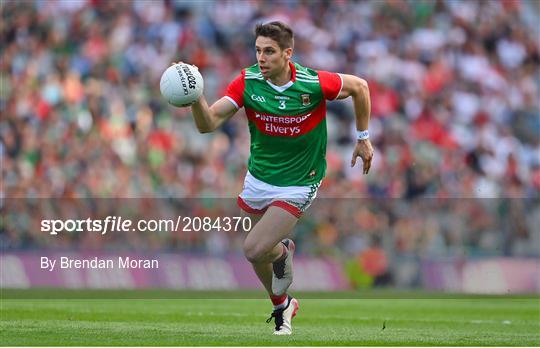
x: 253, y: 253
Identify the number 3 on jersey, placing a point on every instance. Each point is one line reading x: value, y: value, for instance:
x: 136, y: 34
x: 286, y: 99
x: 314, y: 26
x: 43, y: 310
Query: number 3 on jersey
x: 282, y: 104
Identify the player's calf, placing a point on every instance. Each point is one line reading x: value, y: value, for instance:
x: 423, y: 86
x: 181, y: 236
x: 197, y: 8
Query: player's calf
x: 256, y: 253
x: 282, y: 268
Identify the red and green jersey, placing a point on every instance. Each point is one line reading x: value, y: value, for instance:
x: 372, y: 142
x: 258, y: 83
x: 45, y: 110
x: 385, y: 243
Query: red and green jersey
x: 287, y: 123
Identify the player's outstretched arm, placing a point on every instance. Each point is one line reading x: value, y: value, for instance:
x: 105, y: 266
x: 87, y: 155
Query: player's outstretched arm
x: 209, y: 118
x: 358, y: 89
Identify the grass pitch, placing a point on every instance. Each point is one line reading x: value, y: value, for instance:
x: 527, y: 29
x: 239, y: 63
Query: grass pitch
x: 156, y: 318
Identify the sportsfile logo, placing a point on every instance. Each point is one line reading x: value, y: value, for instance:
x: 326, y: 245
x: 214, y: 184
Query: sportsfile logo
x: 109, y: 224
x: 120, y: 224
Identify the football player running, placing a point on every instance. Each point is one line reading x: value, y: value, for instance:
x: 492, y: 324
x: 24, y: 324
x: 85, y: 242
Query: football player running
x: 285, y: 104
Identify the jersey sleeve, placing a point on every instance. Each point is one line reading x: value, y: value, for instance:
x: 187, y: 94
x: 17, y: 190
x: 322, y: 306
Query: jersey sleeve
x: 235, y: 91
x: 331, y: 84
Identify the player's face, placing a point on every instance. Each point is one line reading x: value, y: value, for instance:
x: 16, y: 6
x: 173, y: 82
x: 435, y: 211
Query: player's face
x: 271, y: 58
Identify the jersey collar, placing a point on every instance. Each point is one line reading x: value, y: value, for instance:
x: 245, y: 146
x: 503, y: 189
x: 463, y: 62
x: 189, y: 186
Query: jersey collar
x: 282, y: 88
x: 293, y: 71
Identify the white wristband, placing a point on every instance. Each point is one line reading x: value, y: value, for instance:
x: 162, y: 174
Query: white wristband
x: 362, y: 135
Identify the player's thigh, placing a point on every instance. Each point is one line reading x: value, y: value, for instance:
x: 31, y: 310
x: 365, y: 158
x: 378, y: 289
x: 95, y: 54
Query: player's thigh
x: 253, y: 217
x: 275, y: 225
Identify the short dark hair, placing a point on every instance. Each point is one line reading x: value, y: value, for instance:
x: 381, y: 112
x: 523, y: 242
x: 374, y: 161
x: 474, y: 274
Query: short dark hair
x: 277, y: 31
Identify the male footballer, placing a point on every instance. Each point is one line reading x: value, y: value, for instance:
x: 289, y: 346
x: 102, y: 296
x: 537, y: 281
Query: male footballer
x: 285, y: 105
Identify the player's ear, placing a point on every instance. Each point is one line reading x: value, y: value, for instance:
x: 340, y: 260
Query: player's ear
x: 288, y: 53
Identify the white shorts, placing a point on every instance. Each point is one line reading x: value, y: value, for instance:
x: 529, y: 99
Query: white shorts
x: 257, y: 196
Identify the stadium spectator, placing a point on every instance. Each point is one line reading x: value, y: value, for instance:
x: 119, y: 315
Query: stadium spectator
x: 455, y: 88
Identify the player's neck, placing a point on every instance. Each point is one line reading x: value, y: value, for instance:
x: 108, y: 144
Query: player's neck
x: 283, y: 77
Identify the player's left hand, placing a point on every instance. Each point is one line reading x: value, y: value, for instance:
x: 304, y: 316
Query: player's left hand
x: 363, y: 149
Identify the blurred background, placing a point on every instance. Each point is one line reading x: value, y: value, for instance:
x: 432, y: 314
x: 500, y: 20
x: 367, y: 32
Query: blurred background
x: 452, y: 199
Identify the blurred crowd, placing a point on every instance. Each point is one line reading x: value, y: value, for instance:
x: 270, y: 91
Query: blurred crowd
x: 455, y: 91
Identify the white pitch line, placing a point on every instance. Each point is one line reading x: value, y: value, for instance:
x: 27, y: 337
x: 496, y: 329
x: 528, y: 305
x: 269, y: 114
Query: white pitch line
x: 505, y: 322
